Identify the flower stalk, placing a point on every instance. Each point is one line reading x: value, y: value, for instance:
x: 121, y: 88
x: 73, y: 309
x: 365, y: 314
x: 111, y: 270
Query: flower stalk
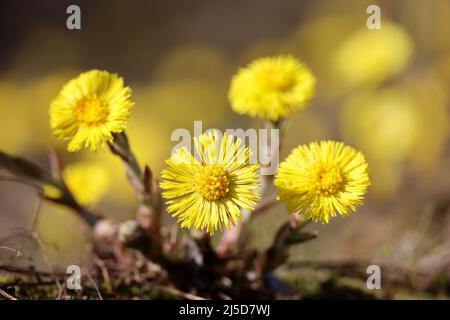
x: 289, y: 234
x: 141, y: 180
x: 28, y: 170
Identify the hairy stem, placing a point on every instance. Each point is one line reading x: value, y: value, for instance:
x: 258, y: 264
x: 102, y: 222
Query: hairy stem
x: 29, y: 171
x: 290, y: 233
x: 141, y: 181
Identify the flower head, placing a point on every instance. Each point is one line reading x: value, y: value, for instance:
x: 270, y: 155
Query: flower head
x: 320, y: 179
x: 207, y: 191
x: 272, y: 88
x: 90, y: 108
x: 371, y: 56
x: 88, y: 182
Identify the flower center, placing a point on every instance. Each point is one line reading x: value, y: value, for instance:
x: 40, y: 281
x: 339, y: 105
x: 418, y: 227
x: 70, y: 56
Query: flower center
x: 327, y: 180
x: 278, y: 80
x: 212, y: 182
x: 91, y: 110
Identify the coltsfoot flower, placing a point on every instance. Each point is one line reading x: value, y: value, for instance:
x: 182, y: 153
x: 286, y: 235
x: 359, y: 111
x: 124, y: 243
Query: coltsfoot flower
x: 207, y: 191
x: 321, y: 179
x: 89, y: 109
x: 272, y: 88
x: 371, y: 56
x: 87, y: 181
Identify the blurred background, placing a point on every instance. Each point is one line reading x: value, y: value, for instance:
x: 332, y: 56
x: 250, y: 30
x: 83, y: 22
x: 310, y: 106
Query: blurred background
x: 384, y: 92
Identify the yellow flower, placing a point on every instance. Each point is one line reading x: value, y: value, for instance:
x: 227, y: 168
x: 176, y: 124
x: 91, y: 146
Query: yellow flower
x: 373, y: 55
x: 90, y: 108
x: 272, y: 88
x: 206, y: 191
x: 88, y: 182
x: 399, y: 128
x: 320, y: 179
